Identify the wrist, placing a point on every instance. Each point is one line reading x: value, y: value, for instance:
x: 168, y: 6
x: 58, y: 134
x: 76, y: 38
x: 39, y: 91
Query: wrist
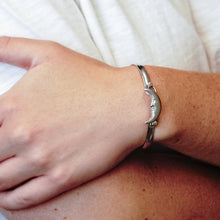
x: 141, y: 103
x: 161, y: 78
x: 136, y: 106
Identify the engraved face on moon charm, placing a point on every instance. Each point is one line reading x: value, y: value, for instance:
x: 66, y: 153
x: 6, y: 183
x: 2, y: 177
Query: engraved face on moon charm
x: 155, y: 105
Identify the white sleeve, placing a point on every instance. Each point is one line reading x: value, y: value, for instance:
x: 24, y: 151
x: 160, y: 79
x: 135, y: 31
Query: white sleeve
x: 206, y: 16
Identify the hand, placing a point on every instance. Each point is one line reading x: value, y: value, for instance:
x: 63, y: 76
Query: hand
x: 68, y: 120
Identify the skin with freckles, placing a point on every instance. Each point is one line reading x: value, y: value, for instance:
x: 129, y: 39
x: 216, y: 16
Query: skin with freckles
x: 71, y: 118
x: 147, y: 185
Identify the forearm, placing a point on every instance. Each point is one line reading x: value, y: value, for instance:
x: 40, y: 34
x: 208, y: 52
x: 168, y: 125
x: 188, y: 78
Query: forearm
x: 137, y: 189
x: 189, y: 120
x: 95, y: 114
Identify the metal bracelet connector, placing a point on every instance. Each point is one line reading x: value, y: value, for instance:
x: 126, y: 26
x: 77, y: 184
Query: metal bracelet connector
x: 155, y: 105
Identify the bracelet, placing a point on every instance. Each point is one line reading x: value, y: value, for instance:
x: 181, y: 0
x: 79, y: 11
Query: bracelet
x: 155, y: 105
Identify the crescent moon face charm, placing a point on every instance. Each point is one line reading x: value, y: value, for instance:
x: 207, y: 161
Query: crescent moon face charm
x: 155, y: 105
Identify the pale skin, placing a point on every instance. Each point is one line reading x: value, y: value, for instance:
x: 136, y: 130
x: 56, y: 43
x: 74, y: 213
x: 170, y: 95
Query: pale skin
x: 72, y: 118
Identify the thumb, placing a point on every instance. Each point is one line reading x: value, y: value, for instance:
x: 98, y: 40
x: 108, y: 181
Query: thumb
x: 22, y: 52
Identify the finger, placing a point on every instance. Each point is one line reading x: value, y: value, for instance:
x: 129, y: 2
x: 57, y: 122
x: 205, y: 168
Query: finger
x: 13, y: 172
x: 22, y: 52
x: 31, y: 193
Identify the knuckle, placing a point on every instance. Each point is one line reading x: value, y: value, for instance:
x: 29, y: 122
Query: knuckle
x: 54, y: 48
x: 60, y: 177
x: 19, y: 135
x: 18, y: 201
x: 22, y: 201
x: 55, y: 51
x: 40, y: 158
x: 22, y: 135
x: 52, y: 44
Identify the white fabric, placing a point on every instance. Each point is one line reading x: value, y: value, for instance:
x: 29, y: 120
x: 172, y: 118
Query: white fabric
x: 2, y: 217
x: 172, y: 33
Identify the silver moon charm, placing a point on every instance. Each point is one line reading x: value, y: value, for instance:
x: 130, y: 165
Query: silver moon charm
x: 155, y: 105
